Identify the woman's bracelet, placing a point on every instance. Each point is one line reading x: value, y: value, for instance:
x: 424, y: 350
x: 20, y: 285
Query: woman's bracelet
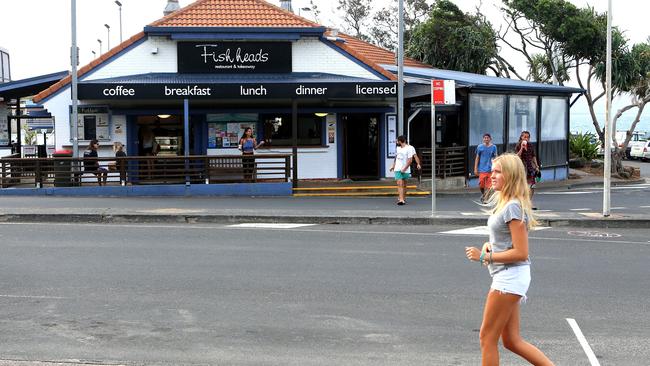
x: 491, y: 261
x: 480, y: 258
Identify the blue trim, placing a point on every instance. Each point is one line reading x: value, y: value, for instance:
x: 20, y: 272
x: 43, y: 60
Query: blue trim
x: 186, y: 128
x: 354, y: 59
x: 238, y: 189
x: 98, y: 67
x: 174, y: 30
x: 235, y: 36
x: 383, y: 128
x: 339, y: 146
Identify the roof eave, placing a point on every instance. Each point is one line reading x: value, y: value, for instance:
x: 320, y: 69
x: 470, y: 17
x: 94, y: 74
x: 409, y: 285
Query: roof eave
x: 313, y: 31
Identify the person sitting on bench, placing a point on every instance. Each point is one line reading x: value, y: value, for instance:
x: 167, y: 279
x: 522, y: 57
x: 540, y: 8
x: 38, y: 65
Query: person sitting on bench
x: 91, y: 165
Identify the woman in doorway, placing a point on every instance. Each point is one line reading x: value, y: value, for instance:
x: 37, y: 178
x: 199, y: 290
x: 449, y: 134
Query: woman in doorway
x: 506, y: 255
x: 248, y: 144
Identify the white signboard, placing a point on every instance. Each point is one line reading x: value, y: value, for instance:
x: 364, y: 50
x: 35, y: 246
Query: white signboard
x: 391, y: 135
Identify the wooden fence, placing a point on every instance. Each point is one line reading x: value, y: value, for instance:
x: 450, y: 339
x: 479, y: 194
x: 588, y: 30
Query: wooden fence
x: 450, y: 161
x: 66, y: 171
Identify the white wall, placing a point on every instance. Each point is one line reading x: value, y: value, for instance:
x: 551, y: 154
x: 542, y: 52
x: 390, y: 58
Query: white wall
x: 312, y: 55
x: 140, y: 60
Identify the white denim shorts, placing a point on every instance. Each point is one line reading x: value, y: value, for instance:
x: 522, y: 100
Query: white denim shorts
x: 512, y: 280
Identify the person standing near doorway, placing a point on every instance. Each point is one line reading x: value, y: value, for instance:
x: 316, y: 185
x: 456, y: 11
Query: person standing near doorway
x: 402, y: 167
x: 248, y: 144
x: 526, y: 152
x: 485, y: 152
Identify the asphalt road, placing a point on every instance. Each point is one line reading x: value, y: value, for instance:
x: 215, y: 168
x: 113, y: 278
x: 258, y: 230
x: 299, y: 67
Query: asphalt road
x: 315, y: 295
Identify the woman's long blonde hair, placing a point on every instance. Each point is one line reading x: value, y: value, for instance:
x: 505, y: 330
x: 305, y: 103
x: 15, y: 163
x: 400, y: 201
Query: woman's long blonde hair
x: 515, y: 186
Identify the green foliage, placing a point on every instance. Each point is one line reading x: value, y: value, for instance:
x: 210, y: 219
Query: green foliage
x: 584, y: 145
x: 453, y: 40
x: 29, y: 136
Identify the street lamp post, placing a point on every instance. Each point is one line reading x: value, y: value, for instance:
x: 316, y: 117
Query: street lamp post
x: 108, y: 37
x: 100, y: 46
x: 94, y: 54
x: 607, y: 174
x: 119, y: 4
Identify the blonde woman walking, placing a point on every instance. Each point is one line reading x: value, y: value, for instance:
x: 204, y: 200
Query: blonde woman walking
x: 506, y: 256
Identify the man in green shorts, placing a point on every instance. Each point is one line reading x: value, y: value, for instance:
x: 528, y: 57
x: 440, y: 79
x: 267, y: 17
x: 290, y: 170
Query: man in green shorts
x: 402, y: 166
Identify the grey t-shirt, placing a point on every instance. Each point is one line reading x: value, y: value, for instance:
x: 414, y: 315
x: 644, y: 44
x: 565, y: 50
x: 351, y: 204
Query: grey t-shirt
x: 500, y: 233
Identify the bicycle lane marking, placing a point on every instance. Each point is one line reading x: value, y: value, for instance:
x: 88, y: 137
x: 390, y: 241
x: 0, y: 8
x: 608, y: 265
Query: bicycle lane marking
x: 583, y: 342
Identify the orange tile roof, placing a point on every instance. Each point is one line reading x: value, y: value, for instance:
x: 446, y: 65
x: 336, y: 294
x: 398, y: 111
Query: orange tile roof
x: 377, y: 54
x: 233, y: 13
x: 250, y: 14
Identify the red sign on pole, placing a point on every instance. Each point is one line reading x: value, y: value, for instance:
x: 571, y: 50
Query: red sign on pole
x: 437, y: 91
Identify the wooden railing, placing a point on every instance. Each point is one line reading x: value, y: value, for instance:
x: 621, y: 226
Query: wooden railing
x: 450, y: 161
x: 66, y: 171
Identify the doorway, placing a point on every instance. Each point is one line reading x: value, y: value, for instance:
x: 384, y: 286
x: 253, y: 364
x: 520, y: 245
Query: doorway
x: 361, y: 146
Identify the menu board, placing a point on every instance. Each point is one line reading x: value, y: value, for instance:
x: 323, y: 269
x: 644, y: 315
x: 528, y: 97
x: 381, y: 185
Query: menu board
x: 225, y: 130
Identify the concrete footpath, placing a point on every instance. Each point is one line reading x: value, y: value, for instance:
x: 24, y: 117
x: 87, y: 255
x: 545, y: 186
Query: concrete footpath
x: 453, y: 208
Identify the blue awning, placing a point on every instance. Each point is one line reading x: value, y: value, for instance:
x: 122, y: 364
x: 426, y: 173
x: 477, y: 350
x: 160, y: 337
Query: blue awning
x: 30, y: 86
x: 476, y: 81
x: 174, y: 78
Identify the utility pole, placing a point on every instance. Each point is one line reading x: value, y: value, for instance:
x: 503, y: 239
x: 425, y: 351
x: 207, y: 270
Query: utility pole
x: 74, y: 61
x: 400, y: 70
x: 607, y: 174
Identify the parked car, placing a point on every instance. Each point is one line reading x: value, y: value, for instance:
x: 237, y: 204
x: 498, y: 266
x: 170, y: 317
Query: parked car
x: 641, y: 150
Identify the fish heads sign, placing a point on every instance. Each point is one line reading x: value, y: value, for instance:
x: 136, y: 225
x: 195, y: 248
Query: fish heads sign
x: 234, y: 57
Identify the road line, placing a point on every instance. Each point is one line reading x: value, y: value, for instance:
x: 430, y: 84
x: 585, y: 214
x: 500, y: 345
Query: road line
x: 580, y: 209
x: 583, y: 342
x: 261, y: 225
x: 307, y: 230
x: 33, y: 297
x: 618, y: 208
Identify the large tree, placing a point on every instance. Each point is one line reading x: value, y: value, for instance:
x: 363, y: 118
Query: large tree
x: 556, y: 37
x: 453, y: 40
x: 384, y: 31
x: 355, y: 16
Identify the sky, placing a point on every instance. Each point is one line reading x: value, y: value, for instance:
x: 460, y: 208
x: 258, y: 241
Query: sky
x: 37, y: 32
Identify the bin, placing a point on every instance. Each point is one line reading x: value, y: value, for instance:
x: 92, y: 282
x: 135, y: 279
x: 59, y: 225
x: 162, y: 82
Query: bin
x: 63, y: 176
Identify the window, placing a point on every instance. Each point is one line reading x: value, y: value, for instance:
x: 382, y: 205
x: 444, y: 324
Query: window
x: 554, y: 144
x: 486, y: 115
x: 278, y: 129
x: 5, y: 71
x: 522, y: 113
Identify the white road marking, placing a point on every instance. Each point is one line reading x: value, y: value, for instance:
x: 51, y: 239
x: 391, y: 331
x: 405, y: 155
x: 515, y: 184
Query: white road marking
x: 566, y: 193
x: 260, y: 225
x: 644, y: 206
x: 310, y: 230
x: 618, y: 208
x: 583, y: 342
x: 32, y: 297
x: 580, y: 209
x: 480, y: 230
